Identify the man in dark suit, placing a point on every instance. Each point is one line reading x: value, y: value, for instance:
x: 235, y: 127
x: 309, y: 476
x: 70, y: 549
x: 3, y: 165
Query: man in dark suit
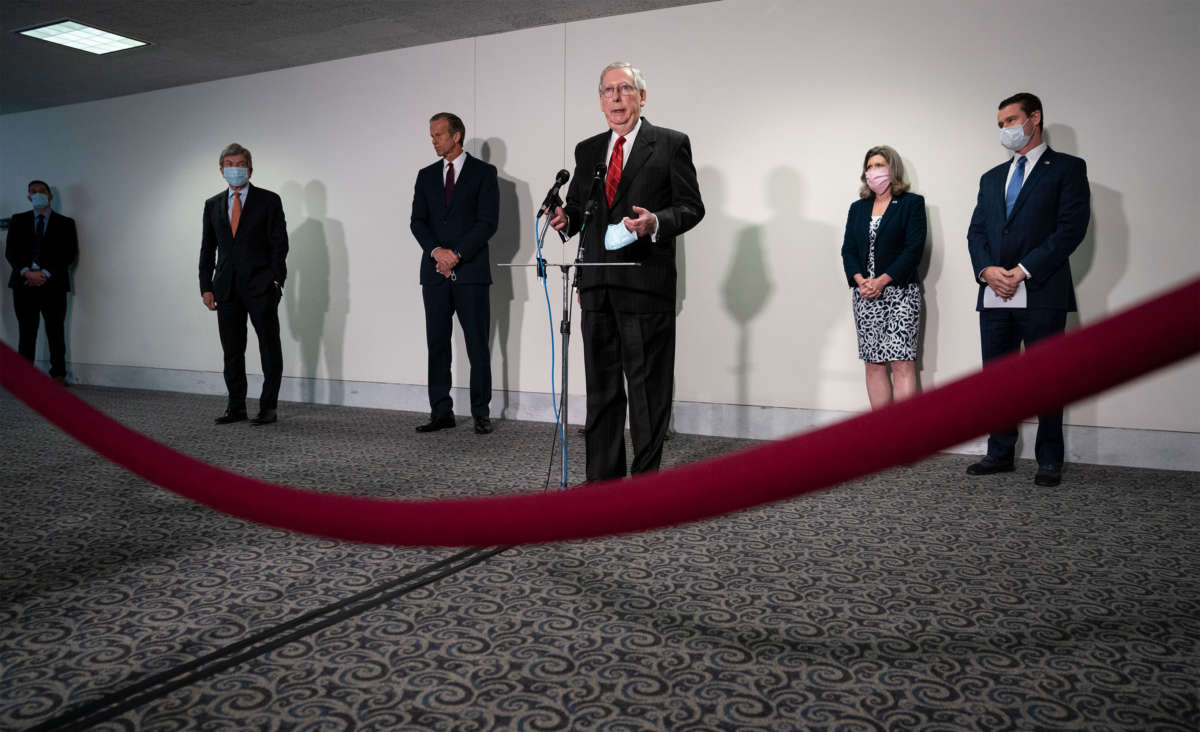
x: 455, y: 210
x: 1031, y: 215
x: 647, y: 188
x: 41, y: 248
x: 242, y: 268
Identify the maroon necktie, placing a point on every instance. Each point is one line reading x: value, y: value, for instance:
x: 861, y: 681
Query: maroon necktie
x: 614, y: 170
x: 449, y: 183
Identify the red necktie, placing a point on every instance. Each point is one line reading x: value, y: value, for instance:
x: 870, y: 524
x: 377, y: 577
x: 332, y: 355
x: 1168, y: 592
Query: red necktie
x: 615, y: 164
x: 449, y: 183
x: 236, y: 216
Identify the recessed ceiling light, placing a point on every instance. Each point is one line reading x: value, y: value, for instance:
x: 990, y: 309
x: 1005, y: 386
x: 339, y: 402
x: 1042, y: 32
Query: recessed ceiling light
x: 85, y: 38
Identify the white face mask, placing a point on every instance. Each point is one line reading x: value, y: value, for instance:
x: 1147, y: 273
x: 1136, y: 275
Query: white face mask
x: 1014, y: 138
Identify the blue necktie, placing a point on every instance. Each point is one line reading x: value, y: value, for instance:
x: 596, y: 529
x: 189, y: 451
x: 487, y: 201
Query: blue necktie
x: 1014, y: 187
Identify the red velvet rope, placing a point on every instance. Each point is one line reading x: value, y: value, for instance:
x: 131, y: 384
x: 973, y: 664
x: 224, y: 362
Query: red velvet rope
x: 1053, y: 373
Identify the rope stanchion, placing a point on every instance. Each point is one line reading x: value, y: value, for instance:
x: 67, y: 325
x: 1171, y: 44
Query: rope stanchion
x: 1049, y: 375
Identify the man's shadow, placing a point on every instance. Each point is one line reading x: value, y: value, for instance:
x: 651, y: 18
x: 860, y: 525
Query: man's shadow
x: 747, y: 286
x: 807, y: 254
x: 509, y: 291
x: 317, y: 291
x: 1099, y: 263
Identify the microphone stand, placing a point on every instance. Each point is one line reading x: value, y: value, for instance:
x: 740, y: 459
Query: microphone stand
x: 568, y: 285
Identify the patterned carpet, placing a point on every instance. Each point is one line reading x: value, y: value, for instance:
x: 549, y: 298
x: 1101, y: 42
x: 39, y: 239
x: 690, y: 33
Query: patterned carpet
x: 916, y: 599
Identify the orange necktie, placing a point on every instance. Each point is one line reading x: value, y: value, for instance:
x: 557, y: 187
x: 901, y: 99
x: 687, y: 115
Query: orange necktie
x: 236, y: 216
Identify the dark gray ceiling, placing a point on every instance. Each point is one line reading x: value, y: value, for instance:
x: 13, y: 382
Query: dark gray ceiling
x: 201, y: 40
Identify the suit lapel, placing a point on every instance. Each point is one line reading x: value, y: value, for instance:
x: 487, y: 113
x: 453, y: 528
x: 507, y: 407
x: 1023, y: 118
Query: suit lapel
x: 887, y: 216
x: 223, y: 225
x: 1032, y: 178
x: 643, y: 148
x: 250, y: 208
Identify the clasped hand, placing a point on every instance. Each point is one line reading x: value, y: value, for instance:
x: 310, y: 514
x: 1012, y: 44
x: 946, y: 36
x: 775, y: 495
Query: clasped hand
x: 445, y: 261
x: 35, y: 277
x: 871, y: 288
x: 1003, y: 281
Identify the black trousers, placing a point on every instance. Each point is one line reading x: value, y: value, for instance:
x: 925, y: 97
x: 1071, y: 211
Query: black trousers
x: 32, y: 304
x: 1001, y: 332
x: 470, y: 303
x: 263, y: 311
x: 634, y: 350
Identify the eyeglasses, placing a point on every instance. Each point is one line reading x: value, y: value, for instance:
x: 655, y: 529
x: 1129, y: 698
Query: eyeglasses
x: 624, y: 90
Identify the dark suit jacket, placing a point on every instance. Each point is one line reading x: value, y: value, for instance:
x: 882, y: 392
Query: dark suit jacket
x: 658, y: 176
x: 58, y: 251
x: 1048, y: 221
x: 899, y: 240
x: 464, y: 226
x: 253, y: 260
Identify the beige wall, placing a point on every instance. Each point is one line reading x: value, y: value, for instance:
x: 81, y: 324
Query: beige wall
x: 781, y: 99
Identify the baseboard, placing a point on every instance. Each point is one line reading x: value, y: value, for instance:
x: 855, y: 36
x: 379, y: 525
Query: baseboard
x: 1161, y: 449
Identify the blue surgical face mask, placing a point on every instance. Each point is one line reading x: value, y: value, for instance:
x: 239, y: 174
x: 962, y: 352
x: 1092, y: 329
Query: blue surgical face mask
x: 1014, y: 138
x: 236, y: 177
x: 40, y: 200
x: 618, y: 237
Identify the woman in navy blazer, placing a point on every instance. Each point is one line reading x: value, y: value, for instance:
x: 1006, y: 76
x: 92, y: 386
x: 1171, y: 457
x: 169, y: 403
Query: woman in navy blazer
x: 884, y: 241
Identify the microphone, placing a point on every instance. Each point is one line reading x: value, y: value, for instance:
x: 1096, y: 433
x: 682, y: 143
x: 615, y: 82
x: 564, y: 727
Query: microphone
x: 552, y: 199
x: 593, y: 197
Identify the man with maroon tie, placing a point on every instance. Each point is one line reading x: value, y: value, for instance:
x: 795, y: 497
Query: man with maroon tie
x: 243, y: 250
x: 455, y: 210
x: 648, y: 196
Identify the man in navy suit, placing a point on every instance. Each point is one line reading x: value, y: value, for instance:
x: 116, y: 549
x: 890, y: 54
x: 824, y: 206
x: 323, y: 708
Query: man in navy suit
x: 455, y: 210
x: 648, y: 195
x: 1031, y: 214
x: 41, y: 248
x: 243, y: 250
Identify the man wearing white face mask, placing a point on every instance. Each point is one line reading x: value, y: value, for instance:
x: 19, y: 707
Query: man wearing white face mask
x: 41, y: 248
x: 242, y: 267
x: 1031, y: 214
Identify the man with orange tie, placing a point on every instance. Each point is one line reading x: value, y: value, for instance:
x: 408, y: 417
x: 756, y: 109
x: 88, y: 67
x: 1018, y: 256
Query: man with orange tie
x: 242, y: 268
x: 640, y: 185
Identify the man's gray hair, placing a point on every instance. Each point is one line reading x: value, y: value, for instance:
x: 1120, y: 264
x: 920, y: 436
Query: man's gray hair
x: 235, y: 149
x: 638, y: 80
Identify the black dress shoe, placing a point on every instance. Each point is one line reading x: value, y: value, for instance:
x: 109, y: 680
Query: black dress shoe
x: 1048, y: 476
x: 264, y: 416
x: 434, y: 425
x: 483, y: 426
x: 230, y: 417
x: 990, y: 466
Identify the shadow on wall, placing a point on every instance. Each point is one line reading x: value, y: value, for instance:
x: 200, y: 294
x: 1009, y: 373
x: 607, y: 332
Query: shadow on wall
x: 509, y: 291
x: 747, y: 286
x: 929, y: 273
x: 1099, y: 263
x: 805, y: 255
x: 81, y: 211
x: 317, y: 291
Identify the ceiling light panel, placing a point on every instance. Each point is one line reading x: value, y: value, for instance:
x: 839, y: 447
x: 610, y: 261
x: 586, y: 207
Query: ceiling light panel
x: 84, y: 38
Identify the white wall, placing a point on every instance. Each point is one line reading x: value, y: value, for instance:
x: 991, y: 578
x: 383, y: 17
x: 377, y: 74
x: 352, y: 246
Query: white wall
x: 781, y: 99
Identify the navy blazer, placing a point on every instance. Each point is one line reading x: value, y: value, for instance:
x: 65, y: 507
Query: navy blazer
x: 255, y: 259
x: 658, y: 176
x: 465, y: 226
x: 1048, y: 222
x: 57, y: 252
x: 899, y: 240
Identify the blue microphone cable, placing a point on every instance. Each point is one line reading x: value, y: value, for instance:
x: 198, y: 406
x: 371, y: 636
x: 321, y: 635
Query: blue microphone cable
x: 558, y: 425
